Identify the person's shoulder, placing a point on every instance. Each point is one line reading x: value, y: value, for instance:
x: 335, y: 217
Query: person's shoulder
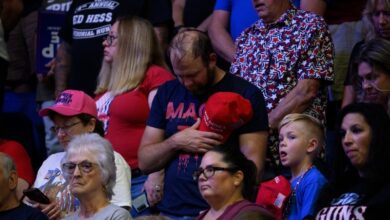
x: 309, y: 19
x: 156, y: 70
x: 118, y: 212
x: 241, y: 84
x: 55, y: 156
x: 170, y: 86
x: 315, y: 176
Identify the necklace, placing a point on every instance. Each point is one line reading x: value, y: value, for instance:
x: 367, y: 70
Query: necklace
x: 287, y: 210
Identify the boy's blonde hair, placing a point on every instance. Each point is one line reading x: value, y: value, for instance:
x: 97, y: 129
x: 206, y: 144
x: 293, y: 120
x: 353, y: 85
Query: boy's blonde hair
x: 314, y: 128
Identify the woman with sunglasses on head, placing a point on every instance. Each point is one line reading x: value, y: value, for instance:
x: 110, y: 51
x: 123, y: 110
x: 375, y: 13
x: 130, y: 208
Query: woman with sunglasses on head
x: 74, y: 113
x: 360, y: 177
x: 227, y: 180
x: 133, y: 68
x: 89, y: 168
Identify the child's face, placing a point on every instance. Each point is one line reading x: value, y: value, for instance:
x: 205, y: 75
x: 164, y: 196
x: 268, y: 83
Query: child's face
x: 293, y: 145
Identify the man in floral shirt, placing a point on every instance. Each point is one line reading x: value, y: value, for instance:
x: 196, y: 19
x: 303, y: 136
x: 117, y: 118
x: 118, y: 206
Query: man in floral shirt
x: 288, y: 54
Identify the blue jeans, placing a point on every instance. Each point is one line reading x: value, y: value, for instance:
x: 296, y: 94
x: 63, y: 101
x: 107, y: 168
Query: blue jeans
x: 173, y: 217
x: 137, y: 188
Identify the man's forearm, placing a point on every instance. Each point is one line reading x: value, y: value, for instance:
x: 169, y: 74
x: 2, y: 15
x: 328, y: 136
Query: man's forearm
x: 296, y: 101
x: 63, y: 65
x: 220, y: 37
x: 177, y: 12
x: 154, y: 157
x: 254, y: 147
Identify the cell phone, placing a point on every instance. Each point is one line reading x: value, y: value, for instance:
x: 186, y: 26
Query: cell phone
x: 36, y: 195
x: 140, y: 203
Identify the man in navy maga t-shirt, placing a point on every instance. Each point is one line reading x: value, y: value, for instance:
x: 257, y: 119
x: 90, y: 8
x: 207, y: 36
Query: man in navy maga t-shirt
x: 171, y: 140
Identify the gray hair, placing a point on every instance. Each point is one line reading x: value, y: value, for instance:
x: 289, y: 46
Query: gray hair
x: 7, y: 164
x: 367, y: 17
x: 101, y: 150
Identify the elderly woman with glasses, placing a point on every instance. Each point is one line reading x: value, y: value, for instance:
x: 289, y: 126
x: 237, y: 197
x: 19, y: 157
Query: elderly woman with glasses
x: 227, y: 180
x: 74, y: 113
x: 89, y: 168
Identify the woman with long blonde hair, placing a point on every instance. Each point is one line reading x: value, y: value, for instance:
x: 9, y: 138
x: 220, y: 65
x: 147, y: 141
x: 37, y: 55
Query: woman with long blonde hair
x: 133, y: 68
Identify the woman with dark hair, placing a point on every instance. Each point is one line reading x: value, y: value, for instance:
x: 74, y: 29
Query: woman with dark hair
x: 227, y: 180
x: 360, y: 183
x: 74, y: 113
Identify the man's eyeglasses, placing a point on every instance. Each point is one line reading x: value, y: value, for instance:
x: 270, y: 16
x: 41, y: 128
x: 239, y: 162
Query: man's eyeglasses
x: 65, y: 128
x: 209, y: 171
x: 84, y: 166
x: 110, y: 39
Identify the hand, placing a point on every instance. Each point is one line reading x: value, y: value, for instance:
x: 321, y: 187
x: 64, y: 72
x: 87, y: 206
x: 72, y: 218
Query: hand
x: 154, y: 187
x: 52, y: 66
x: 46, y: 78
x: 52, y: 210
x: 195, y: 141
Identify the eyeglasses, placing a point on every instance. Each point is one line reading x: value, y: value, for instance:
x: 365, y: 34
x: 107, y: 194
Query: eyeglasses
x: 65, y: 128
x: 84, y: 166
x: 110, y: 39
x: 378, y: 13
x: 209, y: 171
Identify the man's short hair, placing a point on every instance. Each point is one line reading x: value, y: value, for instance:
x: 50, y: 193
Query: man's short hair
x: 7, y: 165
x: 191, y: 41
x: 314, y: 127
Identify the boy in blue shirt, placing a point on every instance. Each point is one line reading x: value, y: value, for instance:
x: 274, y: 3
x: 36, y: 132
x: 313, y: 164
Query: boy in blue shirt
x: 301, y: 139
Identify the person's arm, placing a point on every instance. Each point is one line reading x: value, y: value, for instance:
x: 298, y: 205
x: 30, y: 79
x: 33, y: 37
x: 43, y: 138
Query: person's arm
x: 162, y: 33
x: 254, y: 147
x: 154, y: 187
x: 62, y: 67
x: 22, y: 185
x: 296, y: 101
x: 204, y: 26
x: 10, y: 13
x: 155, y: 152
x: 177, y: 12
x: 219, y: 35
x: 348, y: 96
x: 316, y: 6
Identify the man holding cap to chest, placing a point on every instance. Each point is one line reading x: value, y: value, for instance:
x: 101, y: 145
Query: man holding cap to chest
x: 172, y: 140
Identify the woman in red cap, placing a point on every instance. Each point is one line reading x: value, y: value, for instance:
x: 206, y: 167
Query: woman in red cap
x: 74, y: 113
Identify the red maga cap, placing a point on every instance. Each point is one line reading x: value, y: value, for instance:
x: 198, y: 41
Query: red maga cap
x: 72, y: 102
x: 224, y: 112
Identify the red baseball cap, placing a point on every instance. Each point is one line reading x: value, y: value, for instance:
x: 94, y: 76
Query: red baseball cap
x: 224, y: 112
x: 72, y: 102
x: 273, y: 195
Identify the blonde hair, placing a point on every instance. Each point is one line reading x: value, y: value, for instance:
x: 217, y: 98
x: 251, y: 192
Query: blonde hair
x: 367, y: 17
x: 314, y: 126
x: 137, y: 49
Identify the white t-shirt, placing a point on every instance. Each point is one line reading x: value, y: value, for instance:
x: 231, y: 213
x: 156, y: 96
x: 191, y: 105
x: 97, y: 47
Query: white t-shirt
x: 50, y: 180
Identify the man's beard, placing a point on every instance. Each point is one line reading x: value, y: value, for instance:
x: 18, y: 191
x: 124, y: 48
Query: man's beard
x: 204, y: 89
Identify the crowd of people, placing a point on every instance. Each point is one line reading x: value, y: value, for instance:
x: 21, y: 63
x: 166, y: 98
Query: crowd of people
x: 189, y: 109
